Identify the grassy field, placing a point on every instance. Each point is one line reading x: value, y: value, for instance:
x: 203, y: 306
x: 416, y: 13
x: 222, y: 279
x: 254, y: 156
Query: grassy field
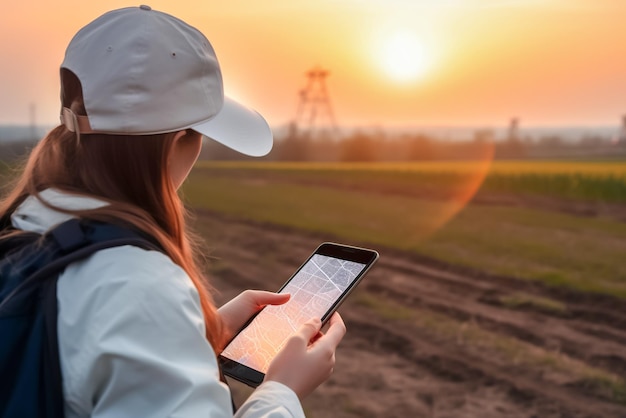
x: 374, y: 204
x: 582, y: 181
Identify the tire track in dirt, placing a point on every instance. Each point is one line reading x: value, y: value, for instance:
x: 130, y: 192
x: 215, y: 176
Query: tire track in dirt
x: 554, y: 333
x: 387, y: 368
x: 453, y: 365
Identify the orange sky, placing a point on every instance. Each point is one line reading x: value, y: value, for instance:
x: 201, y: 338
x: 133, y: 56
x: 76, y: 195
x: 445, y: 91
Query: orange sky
x: 548, y: 62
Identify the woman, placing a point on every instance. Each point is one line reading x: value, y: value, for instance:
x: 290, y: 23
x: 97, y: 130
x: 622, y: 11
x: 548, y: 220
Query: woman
x: 138, y: 331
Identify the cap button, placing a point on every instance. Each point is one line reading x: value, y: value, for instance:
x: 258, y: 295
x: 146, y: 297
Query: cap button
x: 144, y: 7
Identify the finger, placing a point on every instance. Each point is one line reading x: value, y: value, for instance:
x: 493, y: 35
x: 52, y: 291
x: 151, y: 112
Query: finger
x: 336, y: 318
x: 310, y: 329
x: 336, y: 330
x: 316, y: 337
x: 261, y: 298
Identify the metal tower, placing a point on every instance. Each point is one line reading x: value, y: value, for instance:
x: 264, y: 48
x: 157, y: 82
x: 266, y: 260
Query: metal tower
x: 33, y: 121
x: 314, y: 113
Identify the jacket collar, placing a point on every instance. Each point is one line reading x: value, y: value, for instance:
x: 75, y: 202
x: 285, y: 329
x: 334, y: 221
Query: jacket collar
x: 32, y: 215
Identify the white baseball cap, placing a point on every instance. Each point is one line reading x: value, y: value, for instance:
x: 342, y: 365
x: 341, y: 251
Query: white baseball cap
x: 146, y: 72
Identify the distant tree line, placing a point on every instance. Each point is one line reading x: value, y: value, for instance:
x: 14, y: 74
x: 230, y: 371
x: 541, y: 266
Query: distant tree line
x: 370, y: 147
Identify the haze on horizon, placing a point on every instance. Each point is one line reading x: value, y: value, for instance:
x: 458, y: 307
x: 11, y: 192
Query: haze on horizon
x: 392, y: 63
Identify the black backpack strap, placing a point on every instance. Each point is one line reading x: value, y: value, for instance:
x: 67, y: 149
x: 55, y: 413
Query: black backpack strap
x: 75, y: 240
x: 53, y: 401
x: 78, y: 239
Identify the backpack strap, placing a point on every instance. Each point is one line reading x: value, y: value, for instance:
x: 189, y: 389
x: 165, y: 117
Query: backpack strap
x: 78, y: 239
x: 72, y: 241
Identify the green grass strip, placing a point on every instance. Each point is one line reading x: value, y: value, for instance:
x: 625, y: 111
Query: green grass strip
x: 582, y: 253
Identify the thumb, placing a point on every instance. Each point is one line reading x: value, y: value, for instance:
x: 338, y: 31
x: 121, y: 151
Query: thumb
x: 310, y: 329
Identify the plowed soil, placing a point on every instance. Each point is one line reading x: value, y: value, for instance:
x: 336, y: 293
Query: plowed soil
x: 427, y: 339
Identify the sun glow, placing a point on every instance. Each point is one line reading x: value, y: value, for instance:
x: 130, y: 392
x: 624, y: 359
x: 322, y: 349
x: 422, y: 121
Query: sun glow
x: 403, y: 56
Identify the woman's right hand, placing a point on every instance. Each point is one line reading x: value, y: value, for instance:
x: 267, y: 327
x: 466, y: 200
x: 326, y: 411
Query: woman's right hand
x: 308, y: 357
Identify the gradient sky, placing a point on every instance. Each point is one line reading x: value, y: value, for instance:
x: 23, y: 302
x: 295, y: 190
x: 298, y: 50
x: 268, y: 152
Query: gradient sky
x: 392, y: 62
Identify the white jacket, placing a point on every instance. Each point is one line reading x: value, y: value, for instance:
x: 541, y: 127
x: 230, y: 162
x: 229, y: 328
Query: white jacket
x: 131, y: 334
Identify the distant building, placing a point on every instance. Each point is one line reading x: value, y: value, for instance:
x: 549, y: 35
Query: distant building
x: 513, y: 131
x: 621, y: 137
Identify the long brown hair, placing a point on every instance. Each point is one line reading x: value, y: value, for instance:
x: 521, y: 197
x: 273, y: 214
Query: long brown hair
x: 131, y: 174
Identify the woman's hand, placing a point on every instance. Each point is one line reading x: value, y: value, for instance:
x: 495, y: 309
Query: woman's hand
x: 308, y: 357
x: 238, y: 310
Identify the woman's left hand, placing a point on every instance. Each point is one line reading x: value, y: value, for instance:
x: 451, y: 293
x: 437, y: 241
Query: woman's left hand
x: 238, y: 310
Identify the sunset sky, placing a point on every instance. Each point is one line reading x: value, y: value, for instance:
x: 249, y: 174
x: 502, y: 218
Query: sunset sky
x: 392, y: 62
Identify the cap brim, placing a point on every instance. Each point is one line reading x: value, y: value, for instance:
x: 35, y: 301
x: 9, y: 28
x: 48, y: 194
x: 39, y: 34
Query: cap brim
x: 239, y: 128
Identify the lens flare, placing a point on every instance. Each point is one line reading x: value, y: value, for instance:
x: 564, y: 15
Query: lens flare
x: 462, y: 180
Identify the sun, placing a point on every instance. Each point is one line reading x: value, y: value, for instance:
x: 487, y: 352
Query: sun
x: 403, y: 56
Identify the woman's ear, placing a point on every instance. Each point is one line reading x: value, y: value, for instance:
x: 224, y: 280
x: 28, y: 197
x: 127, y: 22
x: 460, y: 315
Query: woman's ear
x: 183, y: 155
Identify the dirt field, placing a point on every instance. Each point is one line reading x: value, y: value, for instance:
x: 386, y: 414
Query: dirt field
x: 429, y: 340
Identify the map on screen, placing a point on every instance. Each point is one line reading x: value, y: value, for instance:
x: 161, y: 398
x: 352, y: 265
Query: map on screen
x: 314, y: 289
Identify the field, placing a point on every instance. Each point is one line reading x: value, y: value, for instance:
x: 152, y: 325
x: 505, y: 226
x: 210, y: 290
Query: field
x: 575, y: 239
x: 493, y: 297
